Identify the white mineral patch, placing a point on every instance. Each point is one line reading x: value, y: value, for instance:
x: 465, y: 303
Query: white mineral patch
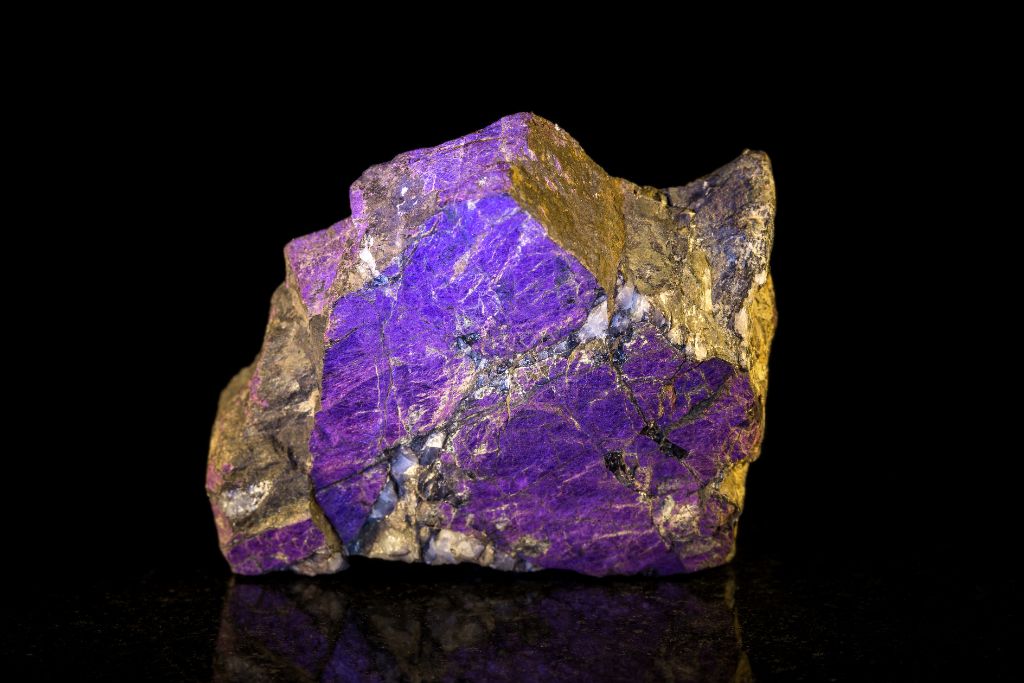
x: 366, y: 260
x: 677, y: 519
x: 675, y: 335
x: 238, y: 503
x: 597, y: 323
x: 436, y: 440
x: 742, y: 323
x: 625, y: 295
x: 630, y: 301
x: 452, y: 547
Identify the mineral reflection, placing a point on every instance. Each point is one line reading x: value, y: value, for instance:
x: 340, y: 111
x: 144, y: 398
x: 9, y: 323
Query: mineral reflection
x: 507, y: 357
x: 529, y: 629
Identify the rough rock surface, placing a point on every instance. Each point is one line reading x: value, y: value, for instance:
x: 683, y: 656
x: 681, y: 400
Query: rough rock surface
x: 506, y: 356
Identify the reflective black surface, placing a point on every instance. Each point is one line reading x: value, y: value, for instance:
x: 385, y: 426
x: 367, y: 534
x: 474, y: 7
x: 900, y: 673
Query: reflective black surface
x: 762, y: 618
x: 542, y: 628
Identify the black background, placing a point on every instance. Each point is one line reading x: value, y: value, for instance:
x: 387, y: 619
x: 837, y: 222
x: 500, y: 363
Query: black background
x: 867, y: 505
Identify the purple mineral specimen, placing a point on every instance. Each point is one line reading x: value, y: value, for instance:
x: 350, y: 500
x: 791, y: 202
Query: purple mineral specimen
x: 507, y: 357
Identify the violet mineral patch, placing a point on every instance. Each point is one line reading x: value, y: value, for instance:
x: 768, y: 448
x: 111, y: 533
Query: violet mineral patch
x: 507, y: 357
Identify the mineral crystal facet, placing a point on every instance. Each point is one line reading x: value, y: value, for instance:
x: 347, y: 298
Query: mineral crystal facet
x: 506, y: 356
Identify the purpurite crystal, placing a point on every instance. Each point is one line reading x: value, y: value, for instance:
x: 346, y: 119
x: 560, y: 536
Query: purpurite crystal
x: 507, y: 357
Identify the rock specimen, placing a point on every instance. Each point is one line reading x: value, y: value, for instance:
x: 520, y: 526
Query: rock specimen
x: 507, y: 357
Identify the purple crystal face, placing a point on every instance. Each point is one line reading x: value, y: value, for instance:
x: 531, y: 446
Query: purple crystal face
x: 507, y: 357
